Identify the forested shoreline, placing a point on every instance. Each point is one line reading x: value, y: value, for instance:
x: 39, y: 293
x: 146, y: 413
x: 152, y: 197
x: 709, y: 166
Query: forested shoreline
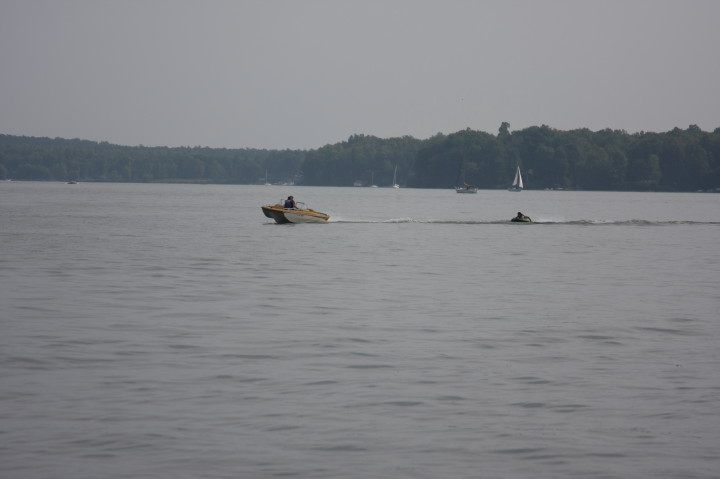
x: 677, y: 160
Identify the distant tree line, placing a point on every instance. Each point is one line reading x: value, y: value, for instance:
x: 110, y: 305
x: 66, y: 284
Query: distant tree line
x: 678, y: 160
x: 363, y: 160
x: 27, y: 158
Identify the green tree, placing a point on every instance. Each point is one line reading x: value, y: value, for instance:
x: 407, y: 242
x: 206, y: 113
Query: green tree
x: 643, y: 173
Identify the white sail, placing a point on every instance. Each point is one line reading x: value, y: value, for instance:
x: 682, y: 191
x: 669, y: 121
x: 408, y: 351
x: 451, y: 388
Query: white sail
x: 517, y: 182
x: 518, y: 179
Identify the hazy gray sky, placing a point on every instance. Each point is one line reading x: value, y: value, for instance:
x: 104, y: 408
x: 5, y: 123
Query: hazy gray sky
x: 304, y: 73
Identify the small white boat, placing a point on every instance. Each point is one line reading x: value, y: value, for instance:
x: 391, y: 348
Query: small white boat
x: 466, y: 189
x: 372, y: 180
x: 462, y: 186
x: 517, y: 184
x: 395, y: 184
x: 300, y: 214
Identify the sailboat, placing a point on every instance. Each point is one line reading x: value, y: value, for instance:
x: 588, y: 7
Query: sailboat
x: 394, y: 183
x: 464, y: 187
x: 266, y: 179
x: 517, y: 184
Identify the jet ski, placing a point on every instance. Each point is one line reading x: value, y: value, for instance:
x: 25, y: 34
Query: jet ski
x: 521, y: 218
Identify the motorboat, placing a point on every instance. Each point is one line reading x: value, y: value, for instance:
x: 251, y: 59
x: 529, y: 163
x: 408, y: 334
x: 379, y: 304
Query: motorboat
x: 466, y: 189
x: 300, y: 214
x: 463, y: 187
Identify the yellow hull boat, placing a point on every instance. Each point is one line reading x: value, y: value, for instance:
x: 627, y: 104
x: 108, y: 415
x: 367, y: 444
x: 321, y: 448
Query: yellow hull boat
x: 302, y: 214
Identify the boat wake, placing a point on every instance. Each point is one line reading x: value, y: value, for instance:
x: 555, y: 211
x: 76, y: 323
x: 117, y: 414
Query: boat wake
x: 634, y: 222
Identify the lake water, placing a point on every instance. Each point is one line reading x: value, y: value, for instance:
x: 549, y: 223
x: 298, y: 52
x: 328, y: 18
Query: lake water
x: 173, y: 331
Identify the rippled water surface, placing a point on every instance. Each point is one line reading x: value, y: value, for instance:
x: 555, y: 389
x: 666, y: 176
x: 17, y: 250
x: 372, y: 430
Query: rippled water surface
x: 172, y: 331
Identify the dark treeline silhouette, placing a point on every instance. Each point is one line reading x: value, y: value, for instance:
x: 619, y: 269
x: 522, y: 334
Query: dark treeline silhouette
x: 27, y: 158
x: 363, y: 160
x: 678, y: 160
